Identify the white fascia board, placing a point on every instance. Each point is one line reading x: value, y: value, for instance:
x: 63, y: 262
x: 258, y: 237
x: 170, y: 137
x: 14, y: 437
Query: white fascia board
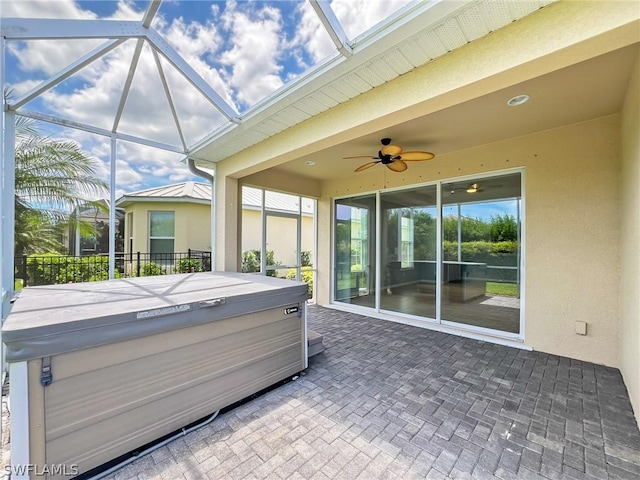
x: 98, y: 131
x: 127, y: 200
x: 50, y: 28
x: 66, y: 72
x: 407, y: 24
x: 167, y: 51
x: 332, y: 25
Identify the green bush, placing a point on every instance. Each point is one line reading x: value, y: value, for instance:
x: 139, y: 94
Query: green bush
x: 152, y: 269
x: 307, y: 277
x: 251, y: 262
x: 305, y: 258
x: 188, y: 265
x: 493, y: 253
x: 53, y: 268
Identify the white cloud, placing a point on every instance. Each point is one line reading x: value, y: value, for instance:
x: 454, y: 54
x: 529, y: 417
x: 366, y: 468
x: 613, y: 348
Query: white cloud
x: 50, y: 57
x: 239, y: 50
x: 311, y: 34
x: 257, y: 38
x: 357, y: 16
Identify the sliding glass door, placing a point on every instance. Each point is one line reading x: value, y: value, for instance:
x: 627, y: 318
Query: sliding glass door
x: 355, y: 266
x: 409, y: 245
x: 481, y: 253
x: 448, y: 253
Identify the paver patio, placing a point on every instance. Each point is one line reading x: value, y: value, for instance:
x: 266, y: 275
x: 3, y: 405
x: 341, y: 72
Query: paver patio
x: 392, y: 401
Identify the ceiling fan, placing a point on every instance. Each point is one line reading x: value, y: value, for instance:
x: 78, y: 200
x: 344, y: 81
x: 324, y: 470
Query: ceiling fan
x: 473, y: 187
x: 393, y: 157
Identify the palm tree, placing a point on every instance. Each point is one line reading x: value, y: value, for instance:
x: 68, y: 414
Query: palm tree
x: 53, y: 177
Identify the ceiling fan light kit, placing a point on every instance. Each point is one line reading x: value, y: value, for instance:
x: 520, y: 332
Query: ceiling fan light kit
x: 393, y: 157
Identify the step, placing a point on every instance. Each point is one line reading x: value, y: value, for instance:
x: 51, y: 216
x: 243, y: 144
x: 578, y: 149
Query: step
x: 314, y: 343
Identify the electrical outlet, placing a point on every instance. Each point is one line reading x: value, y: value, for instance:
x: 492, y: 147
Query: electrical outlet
x: 581, y: 328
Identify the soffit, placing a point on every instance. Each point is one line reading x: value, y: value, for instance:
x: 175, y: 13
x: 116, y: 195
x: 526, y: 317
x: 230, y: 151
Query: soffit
x: 591, y: 89
x: 428, y: 32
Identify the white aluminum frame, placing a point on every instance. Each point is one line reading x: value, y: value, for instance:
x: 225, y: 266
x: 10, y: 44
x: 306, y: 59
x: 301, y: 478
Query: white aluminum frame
x: 469, y: 331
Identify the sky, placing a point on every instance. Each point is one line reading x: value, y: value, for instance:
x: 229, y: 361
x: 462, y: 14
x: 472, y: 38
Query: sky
x: 245, y: 50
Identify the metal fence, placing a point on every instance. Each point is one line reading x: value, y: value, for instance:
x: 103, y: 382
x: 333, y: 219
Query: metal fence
x: 49, y: 269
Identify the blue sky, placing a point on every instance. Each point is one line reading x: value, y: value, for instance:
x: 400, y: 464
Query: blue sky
x: 245, y: 50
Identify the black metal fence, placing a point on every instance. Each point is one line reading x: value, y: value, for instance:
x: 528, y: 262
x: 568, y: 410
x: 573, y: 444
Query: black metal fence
x: 49, y: 269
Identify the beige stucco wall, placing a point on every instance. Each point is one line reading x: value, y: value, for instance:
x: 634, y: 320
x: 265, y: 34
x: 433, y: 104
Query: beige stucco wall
x: 630, y: 242
x: 574, y: 250
x: 192, y: 225
x: 283, y: 230
x: 572, y: 229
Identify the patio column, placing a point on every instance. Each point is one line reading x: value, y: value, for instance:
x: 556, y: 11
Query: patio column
x: 324, y: 268
x: 227, y: 212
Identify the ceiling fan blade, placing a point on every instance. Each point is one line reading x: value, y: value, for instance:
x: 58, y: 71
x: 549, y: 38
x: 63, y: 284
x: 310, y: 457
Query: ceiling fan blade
x: 416, y: 156
x: 397, y: 166
x: 392, y: 150
x: 365, y: 166
x: 361, y: 156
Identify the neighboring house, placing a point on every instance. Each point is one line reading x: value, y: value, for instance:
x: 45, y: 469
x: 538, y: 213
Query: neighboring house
x: 175, y: 218
x: 167, y: 220
x: 283, y: 212
x: 97, y: 243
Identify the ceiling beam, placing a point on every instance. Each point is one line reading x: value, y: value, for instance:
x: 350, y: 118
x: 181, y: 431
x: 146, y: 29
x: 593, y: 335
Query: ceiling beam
x: 66, y: 72
x: 167, y: 93
x: 127, y: 84
x: 167, y: 51
x: 149, y: 15
x: 332, y: 25
x: 99, y: 131
x: 57, y: 28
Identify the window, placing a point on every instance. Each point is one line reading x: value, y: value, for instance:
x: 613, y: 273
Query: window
x: 161, y: 236
x: 129, y: 226
x: 406, y: 239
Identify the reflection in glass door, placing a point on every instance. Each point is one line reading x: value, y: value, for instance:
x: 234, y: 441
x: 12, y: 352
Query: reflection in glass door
x: 408, y: 248
x: 354, y: 273
x: 481, y: 253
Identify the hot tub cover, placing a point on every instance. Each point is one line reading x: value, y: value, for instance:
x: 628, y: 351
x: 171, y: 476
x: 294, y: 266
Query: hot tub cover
x: 50, y: 320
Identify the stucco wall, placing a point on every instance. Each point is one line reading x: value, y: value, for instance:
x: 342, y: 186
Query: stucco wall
x: 192, y: 225
x: 283, y: 230
x: 630, y: 241
x: 572, y: 229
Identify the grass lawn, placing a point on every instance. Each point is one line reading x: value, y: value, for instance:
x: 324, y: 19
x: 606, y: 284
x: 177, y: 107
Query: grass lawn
x: 504, y: 289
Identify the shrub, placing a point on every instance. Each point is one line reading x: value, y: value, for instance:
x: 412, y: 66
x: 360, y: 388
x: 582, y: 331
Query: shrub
x: 305, y: 258
x: 307, y: 277
x: 53, y: 268
x: 152, y: 269
x: 188, y: 265
x: 251, y: 261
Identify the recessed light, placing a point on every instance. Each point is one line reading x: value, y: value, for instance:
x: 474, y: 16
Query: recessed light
x: 518, y: 100
x: 309, y: 163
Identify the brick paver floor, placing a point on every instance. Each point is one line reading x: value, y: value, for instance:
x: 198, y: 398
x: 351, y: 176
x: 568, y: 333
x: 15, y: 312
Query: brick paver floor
x: 392, y: 401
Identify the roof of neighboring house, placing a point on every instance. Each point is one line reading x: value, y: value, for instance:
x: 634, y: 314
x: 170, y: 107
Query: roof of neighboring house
x: 201, y: 193
x: 252, y: 198
x: 192, y: 192
x: 92, y: 212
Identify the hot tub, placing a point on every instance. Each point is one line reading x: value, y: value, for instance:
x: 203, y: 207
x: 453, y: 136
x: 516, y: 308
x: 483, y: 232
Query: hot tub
x: 107, y: 367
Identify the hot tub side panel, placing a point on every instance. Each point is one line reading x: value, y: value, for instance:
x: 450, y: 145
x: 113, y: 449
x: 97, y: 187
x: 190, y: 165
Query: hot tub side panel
x: 108, y: 400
